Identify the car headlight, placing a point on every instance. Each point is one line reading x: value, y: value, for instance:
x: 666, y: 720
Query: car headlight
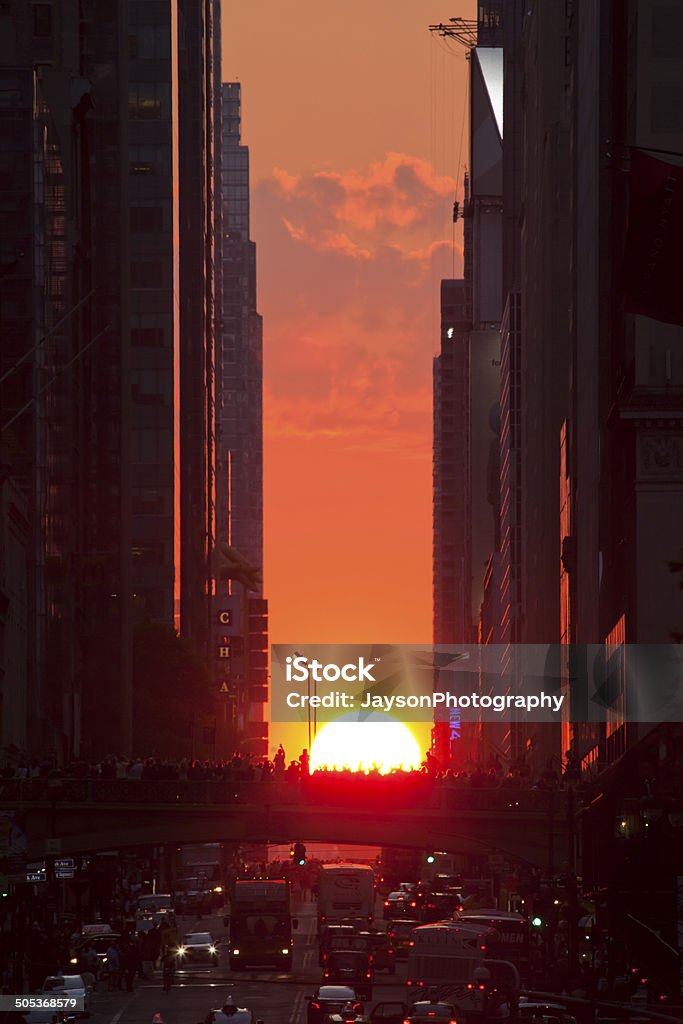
x: 286, y: 952
x: 73, y: 960
x: 212, y: 950
x: 235, y: 952
x: 181, y: 951
x: 218, y: 889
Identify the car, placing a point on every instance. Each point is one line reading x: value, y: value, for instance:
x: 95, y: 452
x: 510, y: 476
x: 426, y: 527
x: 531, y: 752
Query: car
x: 399, y: 904
x: 71, y: 985
x: 400, y: 935
x: 100, y: 943
x: 439, y: 906
x: 352, y: 967
x: 331, y: 999
x: 388, y: 1013
x: 409, y: 888
x: 377, y: 945
x: 37, y: 1017
x: 237, y: 1015
x: 197, y: 948
x: 544, y: 1013
x: 151, y: 902
x: 335, y: 936
x: 431, y: 1011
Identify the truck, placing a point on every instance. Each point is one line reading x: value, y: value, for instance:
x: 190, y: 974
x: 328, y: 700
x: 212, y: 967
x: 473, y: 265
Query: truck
x: 509, y: 938
x: 398, y: 864
x: 451, y: 961
x: 261, y: 924
x: 202, y: 868
x: 345, y: 891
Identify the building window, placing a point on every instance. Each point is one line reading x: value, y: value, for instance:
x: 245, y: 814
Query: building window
x: 149, y: 101
x: 146, y: 502
x: 150, y: 42
x: 42, y: 20
x: 147, y: 554
x: 146, y: 218
x: 147, y: 274
x: 147, y: 337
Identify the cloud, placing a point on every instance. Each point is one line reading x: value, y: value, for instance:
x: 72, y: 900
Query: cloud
x: 349, y: 270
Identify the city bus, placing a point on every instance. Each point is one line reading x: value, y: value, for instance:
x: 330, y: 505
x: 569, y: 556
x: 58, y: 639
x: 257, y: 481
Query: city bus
x: 451, y: 962
x: 261, y: 924
x: 345, y: 891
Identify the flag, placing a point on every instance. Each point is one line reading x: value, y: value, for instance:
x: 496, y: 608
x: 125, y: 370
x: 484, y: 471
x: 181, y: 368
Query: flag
x: 652, y: 259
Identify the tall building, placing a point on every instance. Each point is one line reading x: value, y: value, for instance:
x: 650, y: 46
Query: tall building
x: 199, y: 169
x: 107, y: 363
x: 241, y: 644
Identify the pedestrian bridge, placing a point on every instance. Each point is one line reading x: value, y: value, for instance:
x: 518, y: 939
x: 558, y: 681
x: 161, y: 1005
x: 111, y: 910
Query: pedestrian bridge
x: 520, y: 825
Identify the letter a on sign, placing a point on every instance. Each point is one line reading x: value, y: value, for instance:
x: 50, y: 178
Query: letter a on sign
x: 224, y: 688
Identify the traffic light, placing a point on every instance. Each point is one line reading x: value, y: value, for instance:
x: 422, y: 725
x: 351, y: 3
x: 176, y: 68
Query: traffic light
x: 536, y: 921
x: 430, y: 857
x: 299, y: 854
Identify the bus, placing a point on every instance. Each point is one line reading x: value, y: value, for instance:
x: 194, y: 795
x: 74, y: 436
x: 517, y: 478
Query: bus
x: 510, y: 938
x: 345, y: 891
x: 451, y: 962
x: 261, y: 924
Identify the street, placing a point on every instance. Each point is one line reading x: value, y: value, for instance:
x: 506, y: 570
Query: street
x: 274, y: 998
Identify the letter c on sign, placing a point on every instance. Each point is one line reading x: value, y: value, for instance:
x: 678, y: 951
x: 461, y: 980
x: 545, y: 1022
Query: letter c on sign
x: 224, y: 618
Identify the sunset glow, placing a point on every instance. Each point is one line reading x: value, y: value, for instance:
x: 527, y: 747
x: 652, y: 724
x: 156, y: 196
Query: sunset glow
x: 353, y: 179
x: 363, y: 746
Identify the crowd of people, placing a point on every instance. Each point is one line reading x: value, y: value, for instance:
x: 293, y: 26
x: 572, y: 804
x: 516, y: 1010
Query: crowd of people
x: 245, y: 767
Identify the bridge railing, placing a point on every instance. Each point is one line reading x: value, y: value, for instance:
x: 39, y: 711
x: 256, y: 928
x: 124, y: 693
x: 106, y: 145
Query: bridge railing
x: 419, y: 794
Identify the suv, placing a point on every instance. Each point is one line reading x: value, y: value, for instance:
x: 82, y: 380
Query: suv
x: 350, y: 967
x: 377, y: 945
x: 400, y: 935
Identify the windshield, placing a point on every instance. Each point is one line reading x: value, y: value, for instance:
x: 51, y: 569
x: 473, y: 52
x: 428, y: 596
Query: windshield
x: 198, y: 939
x: 260, y: 926
x: 155, y: 902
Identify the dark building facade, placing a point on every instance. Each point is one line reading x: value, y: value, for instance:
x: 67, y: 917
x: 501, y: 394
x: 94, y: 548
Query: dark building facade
x: 241, y: 646
x: 107, y: 403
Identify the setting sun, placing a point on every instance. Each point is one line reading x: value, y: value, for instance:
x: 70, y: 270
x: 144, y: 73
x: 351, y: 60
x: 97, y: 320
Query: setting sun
x: 378, y: 742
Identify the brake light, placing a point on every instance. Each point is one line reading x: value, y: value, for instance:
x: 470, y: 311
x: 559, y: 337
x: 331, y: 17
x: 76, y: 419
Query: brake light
x: 409, y: 983
x: 386, y: 903
x: 316, y: 1006
x: 411, y: 943
x: 452, y: 1022
x: 368, y: 974
x: 326, y: 974
x: 357, y: 1006
x: 482, y: 988
x: 413, y: 904
x: 470, y: 986
x: 406, y: 1021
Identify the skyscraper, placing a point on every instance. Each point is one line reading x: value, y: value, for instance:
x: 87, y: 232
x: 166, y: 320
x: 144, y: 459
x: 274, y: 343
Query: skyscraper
x: 110, y: 360
x: 243, y: 672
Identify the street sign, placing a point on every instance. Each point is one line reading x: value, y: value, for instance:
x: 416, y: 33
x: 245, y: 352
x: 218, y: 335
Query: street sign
x: 64, y: 873
x: 64, y: 864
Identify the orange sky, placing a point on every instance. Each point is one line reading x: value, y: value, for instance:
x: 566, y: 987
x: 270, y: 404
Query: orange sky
x: 354, y: 124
